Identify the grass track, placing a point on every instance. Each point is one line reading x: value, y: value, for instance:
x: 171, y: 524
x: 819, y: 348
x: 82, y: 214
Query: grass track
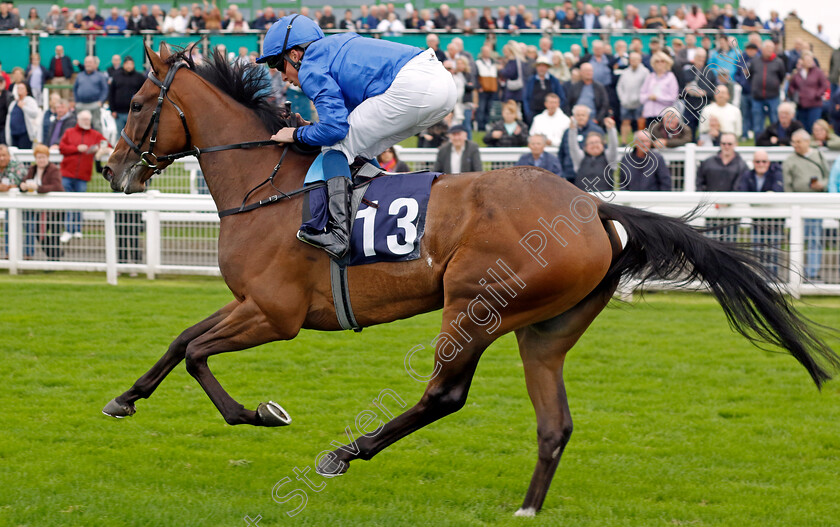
x: 677, y: 421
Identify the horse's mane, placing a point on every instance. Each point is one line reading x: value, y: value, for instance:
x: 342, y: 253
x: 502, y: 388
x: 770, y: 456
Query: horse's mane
x: 248, y: 84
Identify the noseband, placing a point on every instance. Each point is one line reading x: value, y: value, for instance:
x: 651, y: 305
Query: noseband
x: 148, y: 157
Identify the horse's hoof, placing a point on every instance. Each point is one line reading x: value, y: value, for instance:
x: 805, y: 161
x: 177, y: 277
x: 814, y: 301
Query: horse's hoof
x: 115, y: 409
x: 526, y: 513
x: 329, y: 467
x: 272, y: 414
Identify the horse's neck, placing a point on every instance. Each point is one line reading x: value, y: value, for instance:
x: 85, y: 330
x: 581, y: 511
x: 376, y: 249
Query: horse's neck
x: 230, y: 174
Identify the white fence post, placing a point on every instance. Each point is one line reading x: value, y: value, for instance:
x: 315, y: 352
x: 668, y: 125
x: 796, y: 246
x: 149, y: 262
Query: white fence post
x: 111, y: 246
x: 152, y: 238
x: 152, y: 243
x: 690, y: 168
x: 14, y: 226
x: 797, y: 250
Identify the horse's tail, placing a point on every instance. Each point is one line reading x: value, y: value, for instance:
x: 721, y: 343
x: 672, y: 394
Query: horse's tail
x: 661, y: 247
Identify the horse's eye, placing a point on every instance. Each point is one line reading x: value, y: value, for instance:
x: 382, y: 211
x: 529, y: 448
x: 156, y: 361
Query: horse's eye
x: 136, y: 107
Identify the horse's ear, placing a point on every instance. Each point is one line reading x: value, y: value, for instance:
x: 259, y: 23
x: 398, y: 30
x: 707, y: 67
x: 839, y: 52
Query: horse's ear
x: 164, y: 51
x: 155, y: 60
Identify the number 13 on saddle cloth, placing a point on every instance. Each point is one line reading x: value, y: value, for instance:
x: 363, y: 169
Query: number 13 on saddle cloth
x: 388, y: 223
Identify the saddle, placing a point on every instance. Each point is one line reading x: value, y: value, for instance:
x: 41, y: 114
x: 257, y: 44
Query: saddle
x: 362, y: 172
x: 389, y: 213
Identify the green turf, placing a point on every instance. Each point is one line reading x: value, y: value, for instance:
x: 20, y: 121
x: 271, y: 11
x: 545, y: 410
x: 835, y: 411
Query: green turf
x: 677, y: 421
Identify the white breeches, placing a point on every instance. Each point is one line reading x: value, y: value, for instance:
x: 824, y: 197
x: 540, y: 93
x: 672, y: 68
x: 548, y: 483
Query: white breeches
x: 422, y: 94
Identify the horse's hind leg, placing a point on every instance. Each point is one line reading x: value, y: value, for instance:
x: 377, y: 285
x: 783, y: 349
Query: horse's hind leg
x: 543, y: 348
x: 544, y: 379
x: 123, y: 405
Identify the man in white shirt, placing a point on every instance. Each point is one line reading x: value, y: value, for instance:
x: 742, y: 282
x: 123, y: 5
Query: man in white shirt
x: 728, y: 115
x: 551, y: 123
x: 391, y: 26
x: 822, y: 35
x: 606, y: 18
x: 545, y: 52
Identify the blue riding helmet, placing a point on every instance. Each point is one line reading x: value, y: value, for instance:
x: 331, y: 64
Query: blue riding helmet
x: 286, y: 33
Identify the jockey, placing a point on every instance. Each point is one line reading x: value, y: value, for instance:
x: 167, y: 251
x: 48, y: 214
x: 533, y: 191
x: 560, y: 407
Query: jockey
x: 369, y: 94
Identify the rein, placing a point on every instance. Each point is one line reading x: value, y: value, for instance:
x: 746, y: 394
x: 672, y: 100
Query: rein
x: 150, y: 160
x: 271, y: 199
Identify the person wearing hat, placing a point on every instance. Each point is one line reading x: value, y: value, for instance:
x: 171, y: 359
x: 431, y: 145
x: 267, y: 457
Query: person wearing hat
x: 459, y: 154
x: 537, y: 87
x: 369, y: 93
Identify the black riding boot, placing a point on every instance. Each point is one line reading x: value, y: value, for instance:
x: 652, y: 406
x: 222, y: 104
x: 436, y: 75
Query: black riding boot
x: 336, y: 239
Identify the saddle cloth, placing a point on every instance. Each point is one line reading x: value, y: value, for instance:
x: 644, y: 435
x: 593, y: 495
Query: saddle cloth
x: 389, y: 212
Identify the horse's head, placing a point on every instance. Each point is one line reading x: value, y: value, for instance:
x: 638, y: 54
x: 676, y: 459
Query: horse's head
x: 154, y: 128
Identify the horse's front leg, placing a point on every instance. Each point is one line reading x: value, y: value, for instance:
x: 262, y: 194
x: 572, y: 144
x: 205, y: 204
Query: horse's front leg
x: 245, y: 327
x: 123, y: 405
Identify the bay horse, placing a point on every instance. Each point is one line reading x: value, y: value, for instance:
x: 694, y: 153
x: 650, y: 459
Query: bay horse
x: 560, y: 247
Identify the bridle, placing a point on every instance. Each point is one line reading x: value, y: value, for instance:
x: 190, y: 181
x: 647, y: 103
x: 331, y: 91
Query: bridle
x: 148, y: 157
x: 150, y: 160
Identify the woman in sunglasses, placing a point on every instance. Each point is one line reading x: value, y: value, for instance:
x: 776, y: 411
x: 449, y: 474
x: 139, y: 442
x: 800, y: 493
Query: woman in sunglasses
x: 369, y: 93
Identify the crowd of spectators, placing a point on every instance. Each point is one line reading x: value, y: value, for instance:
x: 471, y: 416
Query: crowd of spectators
x: 572, y: 108
x: 181, y: 20
x: 669, y: 95
x: 69, y: 126
x: 386, y: 19
x: 82, y: 99
x: 760, y: 94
